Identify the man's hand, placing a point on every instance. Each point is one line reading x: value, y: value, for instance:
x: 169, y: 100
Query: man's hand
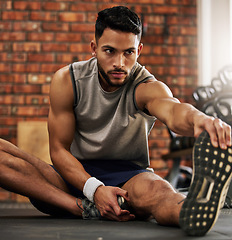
x: 105, y: 199
x: 219, y: 131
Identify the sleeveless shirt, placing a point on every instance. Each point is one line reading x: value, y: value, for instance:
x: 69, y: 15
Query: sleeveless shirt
x: 109, y: 125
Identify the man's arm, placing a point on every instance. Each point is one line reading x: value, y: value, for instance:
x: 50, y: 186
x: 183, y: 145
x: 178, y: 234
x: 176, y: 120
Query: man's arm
x: 61, y: 127
x: 181, y: 118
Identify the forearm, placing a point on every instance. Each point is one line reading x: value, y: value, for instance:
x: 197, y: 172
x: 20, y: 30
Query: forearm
x: 183, y: 118
x: 69, y: 168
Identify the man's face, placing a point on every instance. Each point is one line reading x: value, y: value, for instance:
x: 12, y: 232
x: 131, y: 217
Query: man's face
x: 116, y: 53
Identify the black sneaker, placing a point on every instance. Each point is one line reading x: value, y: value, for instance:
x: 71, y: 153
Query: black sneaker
x: 91, y: 212
x: 212, y: 172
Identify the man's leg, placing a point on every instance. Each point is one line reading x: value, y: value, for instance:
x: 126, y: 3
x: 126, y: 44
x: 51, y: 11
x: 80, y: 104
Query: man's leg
x: 29, y: 176
x: 151, y: 196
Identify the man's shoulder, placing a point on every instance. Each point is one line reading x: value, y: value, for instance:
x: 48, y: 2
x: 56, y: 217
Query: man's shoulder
x: 84, y: 68
x: 141, y: 73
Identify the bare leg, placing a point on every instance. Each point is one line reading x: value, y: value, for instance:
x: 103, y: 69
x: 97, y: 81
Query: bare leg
x: 27, y: 175
x: 151, y: 196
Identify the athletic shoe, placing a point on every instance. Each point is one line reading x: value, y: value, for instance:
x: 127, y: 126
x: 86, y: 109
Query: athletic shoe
x: 91, y: 212
x: 212, y: 173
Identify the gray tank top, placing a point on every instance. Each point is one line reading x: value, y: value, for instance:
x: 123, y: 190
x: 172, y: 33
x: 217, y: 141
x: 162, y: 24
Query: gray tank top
x: 109, y: 125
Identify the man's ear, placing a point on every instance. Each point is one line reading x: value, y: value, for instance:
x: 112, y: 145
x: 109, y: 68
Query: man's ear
x: 93, y: 48
x: 140, y: 48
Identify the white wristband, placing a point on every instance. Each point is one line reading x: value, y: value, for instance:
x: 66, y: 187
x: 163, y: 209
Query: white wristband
x: 91, y: 186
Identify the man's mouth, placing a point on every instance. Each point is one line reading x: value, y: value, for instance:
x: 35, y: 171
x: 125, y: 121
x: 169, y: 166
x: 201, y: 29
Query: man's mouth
x: 117, y: 74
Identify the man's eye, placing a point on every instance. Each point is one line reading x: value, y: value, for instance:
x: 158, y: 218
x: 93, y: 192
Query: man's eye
x: 129, y: 52
x: 109, y: 51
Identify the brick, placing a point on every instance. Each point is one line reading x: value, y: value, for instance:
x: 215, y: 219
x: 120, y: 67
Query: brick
x: 27, y: 88
x: 91, y: 17
x: 22, y: 68
x: 14, y: 15
x: 71, y: 17
x: 12, y: 78
x: 39, y: 78
x: 171, y: 50
x: 23, y: 5
x: 30, y: 111
x: 5, y: 67
x: 5, y: 26
x: 87, y: 37
x: 27, y: 47
x: 155, y: 19
x: 6, y: 5
x: 83, y: 7
x: 43, y: 16
x: 37, y: 100
x: 62, y: 27
x: 54, y: 47
x: 188, y: 30
x: 84, y: 27
x: 50, y: 67
x: 5, y: 111
x: 46, y: 89
x: 68, y: 37
x: 165, y: 10
x: 6, y: 88
x: 6, y: 78
x: 144, y: 9
x: 6, y: 121
x: 25, y: 111
x: 43, y: 111
x: 27, y: 26
x: 188, y: 10
x: 12, y: 36
x: 55, y: 6
x: 12, y: 57
x: 80, y: 48
x: 6, y: 46
x: 19, y: 78
x: 66, y: 58
x: 151, y: 60
x: 44, y: 37
x: 158, y: 50
x: 146, y: 1
x: 173, y: 2
x: 12, y: 99
x: 39, y: 57
x: 146, y: 50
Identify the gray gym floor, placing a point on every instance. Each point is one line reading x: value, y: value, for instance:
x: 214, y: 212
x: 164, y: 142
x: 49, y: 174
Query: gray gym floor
x: 22, y: 221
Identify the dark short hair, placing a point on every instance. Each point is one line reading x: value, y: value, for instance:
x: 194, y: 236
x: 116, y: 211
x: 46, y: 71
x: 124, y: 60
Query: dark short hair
x: 118, y: 18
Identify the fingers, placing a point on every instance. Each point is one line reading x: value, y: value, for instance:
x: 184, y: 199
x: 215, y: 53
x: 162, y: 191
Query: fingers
x: 123, y: 217
x: 220, y: 133
x: 107, y: 204
x: 115, y: 206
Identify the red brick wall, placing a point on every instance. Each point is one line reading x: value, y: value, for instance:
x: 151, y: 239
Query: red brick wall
x: 39, y: 37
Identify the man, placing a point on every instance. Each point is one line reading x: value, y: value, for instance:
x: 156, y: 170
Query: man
x: 101, y: 113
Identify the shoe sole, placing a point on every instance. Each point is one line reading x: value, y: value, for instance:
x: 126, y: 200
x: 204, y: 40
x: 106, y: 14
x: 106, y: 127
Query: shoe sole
x: 210, y: 182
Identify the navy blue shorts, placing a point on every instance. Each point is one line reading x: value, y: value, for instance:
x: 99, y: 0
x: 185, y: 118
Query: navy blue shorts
x: 112, y: 173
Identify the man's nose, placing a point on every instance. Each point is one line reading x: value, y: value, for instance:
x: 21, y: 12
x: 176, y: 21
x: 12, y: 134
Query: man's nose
x: 119, y: 61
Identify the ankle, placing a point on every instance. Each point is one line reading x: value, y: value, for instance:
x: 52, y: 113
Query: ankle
x: 77, y: 208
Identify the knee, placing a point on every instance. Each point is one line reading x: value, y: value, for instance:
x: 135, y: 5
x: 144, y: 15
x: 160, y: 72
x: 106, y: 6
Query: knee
x: 4, y: 145
x: 150, y: 188
x: 6, y: 158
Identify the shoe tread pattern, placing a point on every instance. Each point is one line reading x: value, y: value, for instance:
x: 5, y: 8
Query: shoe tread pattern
x: 207, y: 193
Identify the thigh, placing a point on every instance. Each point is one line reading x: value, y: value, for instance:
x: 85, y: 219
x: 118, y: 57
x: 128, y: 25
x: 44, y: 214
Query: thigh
x: 14, y: 158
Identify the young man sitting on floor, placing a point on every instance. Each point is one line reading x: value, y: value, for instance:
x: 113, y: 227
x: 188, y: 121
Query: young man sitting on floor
x: 101, y: 113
